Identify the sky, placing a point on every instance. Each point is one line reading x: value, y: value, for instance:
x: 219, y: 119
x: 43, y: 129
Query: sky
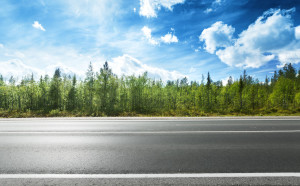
x: 170, y: 39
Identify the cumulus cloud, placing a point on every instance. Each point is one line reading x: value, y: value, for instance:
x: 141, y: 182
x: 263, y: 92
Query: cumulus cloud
x: 17, y: 69
x: 225, y: 80
x: 40, y: 62
x: 271, y: 31
x: 218, y: 35
x: 127, y: 65
x: 147, y: 33
x: 38, y: 26
x: 64, y: 70
x: 242, y: 57
x: 297, y: 32
x: 169, y: 38
x: 148, y: 8
x: 292, y: 56
x: 271, y: 37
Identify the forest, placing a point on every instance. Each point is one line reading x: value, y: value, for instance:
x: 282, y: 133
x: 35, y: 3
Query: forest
x: 105, y: 94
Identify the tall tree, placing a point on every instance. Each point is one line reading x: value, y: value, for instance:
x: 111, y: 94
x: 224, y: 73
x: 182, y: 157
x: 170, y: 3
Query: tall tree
x: 71, y: 102
x: 208, y: 92
x: 107, y: 88
x: 241, y: 87
x: 55, y: 91
x: 89, y: 89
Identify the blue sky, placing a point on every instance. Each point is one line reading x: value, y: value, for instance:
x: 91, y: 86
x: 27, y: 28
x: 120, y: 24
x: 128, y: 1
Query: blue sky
x: 168, y: 38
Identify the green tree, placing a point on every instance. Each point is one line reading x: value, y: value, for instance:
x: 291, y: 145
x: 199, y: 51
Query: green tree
x: 283, y: 94
x: 55, y: 92
x: 71, y: 103
x: 89, y: 89
x: 106, y: 89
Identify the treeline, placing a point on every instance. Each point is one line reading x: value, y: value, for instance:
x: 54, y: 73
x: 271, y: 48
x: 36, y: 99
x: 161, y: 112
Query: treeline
x: 105, y: 94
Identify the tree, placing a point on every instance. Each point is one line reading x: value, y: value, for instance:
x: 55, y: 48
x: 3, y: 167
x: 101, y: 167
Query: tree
x: 107, y: 89
x: 43, y: 97
x: 71, y: 102
x: 89, y: 89
x: 289, y: 71
x: 284, y: 93
x: 241, y: 87
x: 208, y: 92
x: 55, y: 91
x: 230, y: 81
x: 106, y: 94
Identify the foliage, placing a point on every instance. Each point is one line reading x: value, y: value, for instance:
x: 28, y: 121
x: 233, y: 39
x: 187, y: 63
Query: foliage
x: 105, y: 94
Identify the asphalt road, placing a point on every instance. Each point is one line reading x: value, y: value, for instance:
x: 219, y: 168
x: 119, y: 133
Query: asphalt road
x: 41, y: 146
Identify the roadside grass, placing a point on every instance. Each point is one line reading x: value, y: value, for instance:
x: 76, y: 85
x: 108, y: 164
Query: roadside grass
x: 58, y: 113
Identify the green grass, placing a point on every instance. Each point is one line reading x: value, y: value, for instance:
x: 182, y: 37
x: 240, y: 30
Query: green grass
x: 58, y: 113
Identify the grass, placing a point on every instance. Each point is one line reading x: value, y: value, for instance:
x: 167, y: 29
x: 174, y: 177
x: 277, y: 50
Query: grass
x: 58, y: 113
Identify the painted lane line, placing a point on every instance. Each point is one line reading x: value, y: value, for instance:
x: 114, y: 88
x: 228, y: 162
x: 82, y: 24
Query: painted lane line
x: 148, y: 120
x: 175, y: 175
x: 144, y: 132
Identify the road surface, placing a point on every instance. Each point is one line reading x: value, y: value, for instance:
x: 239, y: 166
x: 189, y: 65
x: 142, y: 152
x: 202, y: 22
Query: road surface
x: 41, y: 148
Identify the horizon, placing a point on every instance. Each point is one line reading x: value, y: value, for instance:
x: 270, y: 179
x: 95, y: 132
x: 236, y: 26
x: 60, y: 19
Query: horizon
x: 202, y: 81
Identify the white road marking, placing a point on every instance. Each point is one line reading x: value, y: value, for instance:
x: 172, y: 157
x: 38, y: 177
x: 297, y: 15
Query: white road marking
x: 145, y: 132
x: 175, y: 175
x: 142, y: 119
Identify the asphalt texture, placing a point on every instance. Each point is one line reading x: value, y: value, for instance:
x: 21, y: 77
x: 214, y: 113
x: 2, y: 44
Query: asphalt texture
x: 41, y: 146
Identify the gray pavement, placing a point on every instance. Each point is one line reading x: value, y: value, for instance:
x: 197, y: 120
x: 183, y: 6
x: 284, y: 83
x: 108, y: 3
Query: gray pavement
x: 56, y: 146
x: 151, y: 181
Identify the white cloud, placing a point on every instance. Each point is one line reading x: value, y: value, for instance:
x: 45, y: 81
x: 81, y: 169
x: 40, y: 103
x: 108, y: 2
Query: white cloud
x: 271, y: 31
x: 272, y: 36
x: 217, y: 2
x: 134, y: 10
x: 225, y: 80
x: 64, y: 70
x: 37, y: 25
x: 208, y: 10
x: 242, y: 57
x: 148, y: 7
x: 292, y: 56
x: 214, y: 6
x: 147, y: 33
x: 297, y: 32
x: 40, y: 62
x: 17, y: 69
x: 43, y: 61
x: 127, y: 65
x: 1, y: 45
x: 218, y: 35
x: 169, y: 38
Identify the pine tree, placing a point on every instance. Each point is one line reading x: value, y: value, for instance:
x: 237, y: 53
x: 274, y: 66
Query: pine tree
x: 71, y: 103
x: 55, y: 91
x: 89, y: 89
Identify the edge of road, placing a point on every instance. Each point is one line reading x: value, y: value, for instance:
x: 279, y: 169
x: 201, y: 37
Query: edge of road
x: 164, y: 118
